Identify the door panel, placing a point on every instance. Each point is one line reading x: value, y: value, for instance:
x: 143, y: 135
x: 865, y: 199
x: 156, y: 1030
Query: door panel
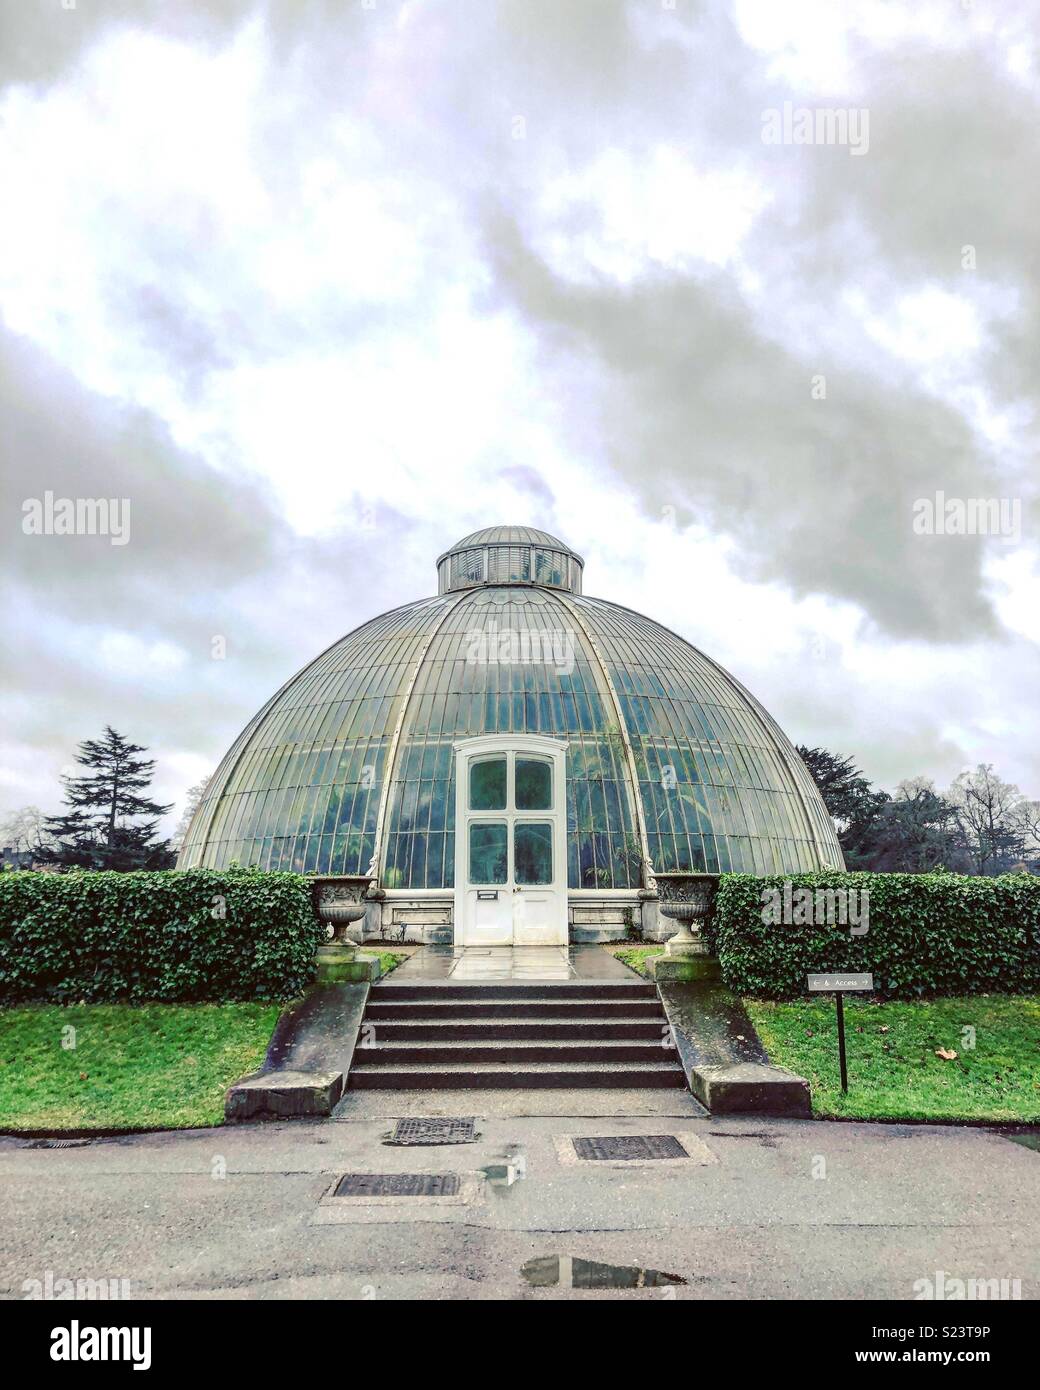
x: 491, y: 916
x: 536, y: 918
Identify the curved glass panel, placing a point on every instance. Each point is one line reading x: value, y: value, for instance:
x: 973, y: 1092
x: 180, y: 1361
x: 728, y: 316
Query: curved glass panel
x: 722, y: 788
x: 300, y: 787
x: 509, y: 564
x: 550, y: 567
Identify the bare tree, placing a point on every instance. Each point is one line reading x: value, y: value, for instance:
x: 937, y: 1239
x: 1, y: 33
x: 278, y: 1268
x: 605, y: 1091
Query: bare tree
x: 911, y: 787
x: 989, y: 811
x: 23, y: 830
x: 192, y: 797
x: 1028, y: 819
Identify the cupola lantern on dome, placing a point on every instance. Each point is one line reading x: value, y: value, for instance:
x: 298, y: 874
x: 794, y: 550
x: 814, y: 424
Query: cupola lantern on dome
x: 514, y: 760
x: 509, y: 555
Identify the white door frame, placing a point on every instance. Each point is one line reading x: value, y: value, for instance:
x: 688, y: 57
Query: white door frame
x: 528, y: 915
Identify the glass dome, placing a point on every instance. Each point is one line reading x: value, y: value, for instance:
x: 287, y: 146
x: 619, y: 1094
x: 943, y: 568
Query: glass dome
x: 668, y: 758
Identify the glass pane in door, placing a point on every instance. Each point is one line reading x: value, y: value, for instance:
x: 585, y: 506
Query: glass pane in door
x: 487, y: 851
x: 533, y: 784
x: 532, y: 850
x: 487, y: 785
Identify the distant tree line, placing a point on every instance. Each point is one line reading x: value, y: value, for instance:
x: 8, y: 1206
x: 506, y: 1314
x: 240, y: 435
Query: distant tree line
x: 979, y: 825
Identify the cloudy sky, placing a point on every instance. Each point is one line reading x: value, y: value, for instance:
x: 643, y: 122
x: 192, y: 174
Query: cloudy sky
x: 322, y: 285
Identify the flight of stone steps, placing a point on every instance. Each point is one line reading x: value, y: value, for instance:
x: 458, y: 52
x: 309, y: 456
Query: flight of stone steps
x: 434, y: 1036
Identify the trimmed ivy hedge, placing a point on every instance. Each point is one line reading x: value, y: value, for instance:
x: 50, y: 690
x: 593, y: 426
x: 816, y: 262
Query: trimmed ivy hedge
x: 927, y: 934
x: 165, y: 936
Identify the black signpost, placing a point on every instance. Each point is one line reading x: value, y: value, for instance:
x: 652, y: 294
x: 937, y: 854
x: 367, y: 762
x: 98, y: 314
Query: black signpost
x: 841, y: 985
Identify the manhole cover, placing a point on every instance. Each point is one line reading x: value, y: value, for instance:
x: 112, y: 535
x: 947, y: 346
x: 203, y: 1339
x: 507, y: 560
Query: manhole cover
x: 431, y: 1131
x: 398, y: 1185
x: 630, y: 1146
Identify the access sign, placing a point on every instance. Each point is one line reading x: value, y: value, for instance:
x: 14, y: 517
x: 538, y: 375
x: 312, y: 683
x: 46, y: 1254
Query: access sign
x: 840, y: 985
x: 843, y: 984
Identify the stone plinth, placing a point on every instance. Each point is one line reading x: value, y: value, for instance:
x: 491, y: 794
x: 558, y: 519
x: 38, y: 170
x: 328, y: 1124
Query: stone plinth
x: 751, y: 1088
x: 284, y: 1095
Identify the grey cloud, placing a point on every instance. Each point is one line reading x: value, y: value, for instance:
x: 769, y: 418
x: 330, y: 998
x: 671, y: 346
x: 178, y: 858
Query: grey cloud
x: 529, y: 480
x: 705, y: 413
x: 708, y: 407
x: 955, y: 141
x: 38, y: 42
x: 189, y: 528
x: 208, y: 555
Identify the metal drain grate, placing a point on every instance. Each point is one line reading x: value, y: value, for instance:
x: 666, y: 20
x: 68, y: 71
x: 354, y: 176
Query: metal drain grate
x: 434, y: 1131
x: 58, y: 1143
x: 633, y: 1147
x: 398, y: 1185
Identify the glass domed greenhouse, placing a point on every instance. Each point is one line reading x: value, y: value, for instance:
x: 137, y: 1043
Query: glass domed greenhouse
x: 511, y: 761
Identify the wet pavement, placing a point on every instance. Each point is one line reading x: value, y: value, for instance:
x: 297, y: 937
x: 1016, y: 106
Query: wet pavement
x: 481, y: 965
x: 521, y: 1104
x: 762, y: 1209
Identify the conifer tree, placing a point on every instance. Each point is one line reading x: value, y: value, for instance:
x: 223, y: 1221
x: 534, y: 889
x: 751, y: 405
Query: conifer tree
x: 98, y: 831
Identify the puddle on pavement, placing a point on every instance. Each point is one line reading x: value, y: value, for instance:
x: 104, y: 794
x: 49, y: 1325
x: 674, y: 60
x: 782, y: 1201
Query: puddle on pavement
x: 548, y: 1271
x: 506, y: 1168
x: 765, y: 1137
x: 1028, y: 1140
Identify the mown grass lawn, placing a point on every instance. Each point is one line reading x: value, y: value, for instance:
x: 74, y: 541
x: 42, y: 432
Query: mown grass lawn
x: 895, y: 1071
x: 132, y: 1067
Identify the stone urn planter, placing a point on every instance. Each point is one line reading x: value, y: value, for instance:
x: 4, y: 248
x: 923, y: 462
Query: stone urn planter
x: 687, y: 898
x: 339, y: 901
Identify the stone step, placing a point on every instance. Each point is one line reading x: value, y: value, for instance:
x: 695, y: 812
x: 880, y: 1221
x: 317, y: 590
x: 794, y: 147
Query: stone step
x: 512, y: 1052
x: 563, y: 990
x: 517, y: 1026
x: 419, y: 1076
x: 531, y: 1006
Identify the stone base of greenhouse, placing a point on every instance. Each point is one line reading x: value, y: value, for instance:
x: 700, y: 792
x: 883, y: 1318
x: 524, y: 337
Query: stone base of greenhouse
x: 428, y: 918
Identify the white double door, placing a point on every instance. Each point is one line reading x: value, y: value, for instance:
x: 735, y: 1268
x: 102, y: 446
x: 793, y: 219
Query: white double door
x: 510, y: 841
